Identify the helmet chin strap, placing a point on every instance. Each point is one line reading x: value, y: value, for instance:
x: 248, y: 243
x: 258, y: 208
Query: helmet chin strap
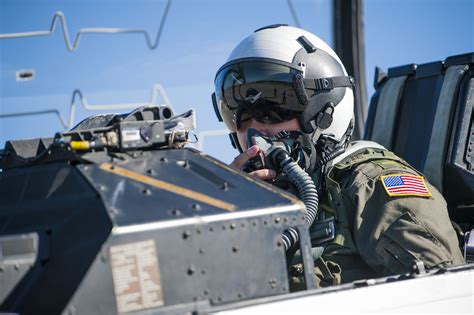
x: 328, y: 147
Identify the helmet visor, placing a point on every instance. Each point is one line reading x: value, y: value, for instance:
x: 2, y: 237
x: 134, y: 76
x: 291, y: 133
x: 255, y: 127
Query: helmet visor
x: 262, y: 90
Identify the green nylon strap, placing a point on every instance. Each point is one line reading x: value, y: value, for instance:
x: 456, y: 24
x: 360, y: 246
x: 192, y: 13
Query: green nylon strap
x: 366, y: 156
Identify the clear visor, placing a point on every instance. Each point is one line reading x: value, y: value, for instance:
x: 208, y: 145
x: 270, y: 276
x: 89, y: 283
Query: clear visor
x: 256, y: 89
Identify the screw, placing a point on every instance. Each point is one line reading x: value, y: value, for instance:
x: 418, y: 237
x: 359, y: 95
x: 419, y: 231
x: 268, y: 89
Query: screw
x: 235, y: 249
x: 233, y: 226
x: 147, y: 192
x: 151, y: 171
x: 277, y: 220
x: 191, y: 270
x: 186, y: 234
x: 102, y: 187
x: 272, y: 283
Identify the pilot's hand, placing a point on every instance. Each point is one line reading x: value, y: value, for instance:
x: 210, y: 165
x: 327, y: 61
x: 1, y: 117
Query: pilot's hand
x: 240, y: 160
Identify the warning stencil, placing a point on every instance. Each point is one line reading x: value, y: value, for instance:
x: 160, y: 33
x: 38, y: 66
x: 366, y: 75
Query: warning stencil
x: 136, y: 276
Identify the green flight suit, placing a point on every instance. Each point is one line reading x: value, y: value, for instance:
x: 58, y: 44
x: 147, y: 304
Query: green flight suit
x: 378, y: 234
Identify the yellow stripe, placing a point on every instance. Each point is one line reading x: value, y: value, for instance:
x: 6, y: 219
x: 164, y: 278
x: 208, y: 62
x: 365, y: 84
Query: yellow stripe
x: 167, y: 186
x: 428, y: 194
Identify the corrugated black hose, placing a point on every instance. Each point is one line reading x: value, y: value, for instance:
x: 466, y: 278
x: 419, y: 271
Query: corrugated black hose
x: 307, y: 192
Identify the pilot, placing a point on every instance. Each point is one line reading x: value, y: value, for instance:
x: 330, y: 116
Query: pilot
x: 388, y: 218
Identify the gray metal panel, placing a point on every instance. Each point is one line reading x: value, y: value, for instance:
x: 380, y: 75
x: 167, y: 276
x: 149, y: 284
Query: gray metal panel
x: 434, y: 164
x: 448, y: 293
x: 18, y: 253
x: 208, y: 263
x: 387, y: 109
x: 205, y: 255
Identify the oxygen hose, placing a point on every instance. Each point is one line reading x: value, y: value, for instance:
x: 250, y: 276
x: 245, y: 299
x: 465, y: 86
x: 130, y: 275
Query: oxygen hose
x: 307, y: 192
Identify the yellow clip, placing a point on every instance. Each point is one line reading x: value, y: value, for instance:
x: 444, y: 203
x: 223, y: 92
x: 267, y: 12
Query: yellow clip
x: 80, y: 145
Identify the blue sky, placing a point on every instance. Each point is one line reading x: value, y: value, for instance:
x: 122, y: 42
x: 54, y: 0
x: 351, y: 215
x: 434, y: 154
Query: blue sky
x: 196, y: 40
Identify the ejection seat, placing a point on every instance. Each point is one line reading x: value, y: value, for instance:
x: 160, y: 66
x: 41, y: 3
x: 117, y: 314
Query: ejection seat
x: 425, y: 114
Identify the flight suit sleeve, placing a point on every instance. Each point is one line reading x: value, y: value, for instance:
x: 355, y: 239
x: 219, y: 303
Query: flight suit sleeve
x: 392, y: 233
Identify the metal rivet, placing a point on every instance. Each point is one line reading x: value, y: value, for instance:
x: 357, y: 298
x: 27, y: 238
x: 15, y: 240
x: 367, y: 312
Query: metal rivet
x: 182, y: 163
x: 191, y: 270
x: 277, y: 220
x: 233, y: 226
x: 235, y: 249
x: 186, y: 234
x: 272, y: 283
x: 147, y: 192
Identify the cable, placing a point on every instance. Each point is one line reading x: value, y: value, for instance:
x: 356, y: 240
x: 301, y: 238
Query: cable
x: 293, y: 13
x: 96, y: 30
x: 157, y: 89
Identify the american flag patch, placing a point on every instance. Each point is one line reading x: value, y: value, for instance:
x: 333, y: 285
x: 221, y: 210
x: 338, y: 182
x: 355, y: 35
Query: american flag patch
x: 405, y: 185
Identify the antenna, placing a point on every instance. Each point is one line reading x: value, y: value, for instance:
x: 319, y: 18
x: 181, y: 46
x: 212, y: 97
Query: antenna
x: 71, y: 47
x: 156, y: 90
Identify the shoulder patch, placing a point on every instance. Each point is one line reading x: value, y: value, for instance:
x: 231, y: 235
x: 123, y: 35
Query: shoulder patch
x: 405, y: 185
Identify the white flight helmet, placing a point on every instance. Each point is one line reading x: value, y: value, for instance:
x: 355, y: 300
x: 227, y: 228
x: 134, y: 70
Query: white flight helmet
x: 282, y: 72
